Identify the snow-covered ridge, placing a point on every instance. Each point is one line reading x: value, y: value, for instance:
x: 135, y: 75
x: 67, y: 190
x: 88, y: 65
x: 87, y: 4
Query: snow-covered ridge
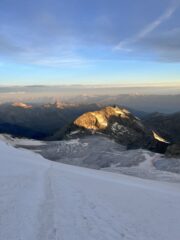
x: 19, y: 141
x: 159, y: 138
x: 43, y: 200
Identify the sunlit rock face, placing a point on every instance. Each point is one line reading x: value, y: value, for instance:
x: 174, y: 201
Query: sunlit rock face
x: 159, y: 138
x: 120, y: 125
x: 22, y: 105
x: 99, y: 120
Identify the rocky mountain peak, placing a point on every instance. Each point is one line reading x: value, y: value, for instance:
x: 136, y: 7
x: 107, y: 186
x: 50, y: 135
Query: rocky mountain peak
x: 22, y: 105
x: 99, y: 120
x: 118, y: 123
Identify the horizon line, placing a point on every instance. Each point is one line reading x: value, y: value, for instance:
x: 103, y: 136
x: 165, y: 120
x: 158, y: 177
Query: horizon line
x: 99, y: 85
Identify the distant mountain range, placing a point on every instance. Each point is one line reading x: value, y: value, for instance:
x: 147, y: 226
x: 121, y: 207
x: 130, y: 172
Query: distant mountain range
x: 40, y: 122
x: 142, y: 102
x: 136, y: 99
x: 58, y: 120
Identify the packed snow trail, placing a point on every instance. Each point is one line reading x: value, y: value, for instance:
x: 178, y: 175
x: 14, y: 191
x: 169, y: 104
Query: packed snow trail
x: 43, y: 200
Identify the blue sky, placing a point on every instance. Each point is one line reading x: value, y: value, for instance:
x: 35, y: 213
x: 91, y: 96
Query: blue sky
x: 89, y: 42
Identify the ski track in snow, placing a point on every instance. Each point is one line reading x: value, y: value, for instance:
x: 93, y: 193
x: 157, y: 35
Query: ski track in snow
x: 43, y: 200
x: 95, y: 209
x: 47, y: 228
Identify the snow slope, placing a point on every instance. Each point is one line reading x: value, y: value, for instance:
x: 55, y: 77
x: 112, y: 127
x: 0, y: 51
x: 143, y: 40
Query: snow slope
x: 42, y: 200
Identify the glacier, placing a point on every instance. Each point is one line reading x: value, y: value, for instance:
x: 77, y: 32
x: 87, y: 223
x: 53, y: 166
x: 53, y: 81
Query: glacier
x: 41, y: 200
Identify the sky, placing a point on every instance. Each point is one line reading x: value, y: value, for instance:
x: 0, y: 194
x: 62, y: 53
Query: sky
x: 90, y: 42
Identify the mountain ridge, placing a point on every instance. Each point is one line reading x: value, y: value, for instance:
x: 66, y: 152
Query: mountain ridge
x: 119, y: 124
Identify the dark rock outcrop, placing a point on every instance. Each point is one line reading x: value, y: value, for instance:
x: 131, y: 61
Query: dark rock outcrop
x: 173, y: 150
x: 167, y: 125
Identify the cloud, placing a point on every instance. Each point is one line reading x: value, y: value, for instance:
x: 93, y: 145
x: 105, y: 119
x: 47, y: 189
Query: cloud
x: 45, y: 55
x: 124, y: 44
x: 6, y: 46
x: 59, y: 62
x: 67, y: 34
x: 56, y: 57
x: 165, y: 45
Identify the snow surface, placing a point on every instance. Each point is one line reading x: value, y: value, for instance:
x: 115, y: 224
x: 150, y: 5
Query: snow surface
x: 20, y: 141
x: 42, y: 200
